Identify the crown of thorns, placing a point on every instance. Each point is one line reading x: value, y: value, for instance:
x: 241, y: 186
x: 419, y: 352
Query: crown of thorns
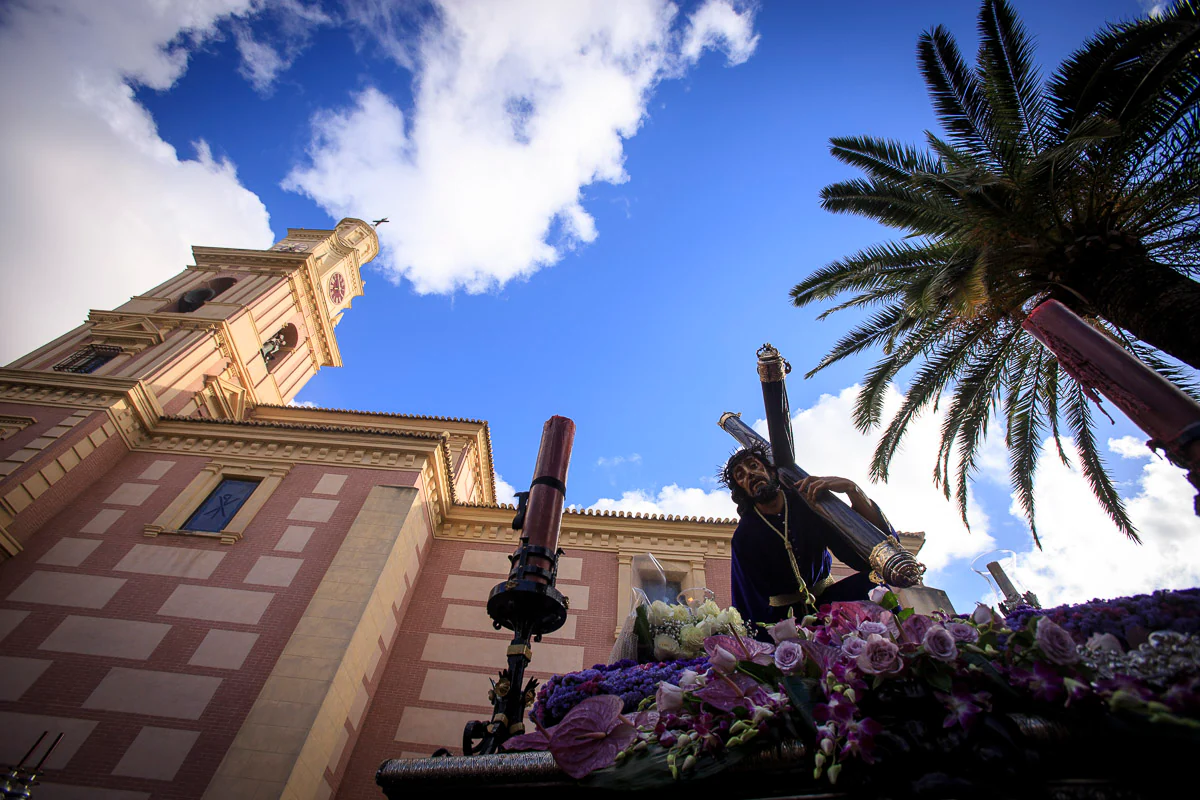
x: 755, y: 450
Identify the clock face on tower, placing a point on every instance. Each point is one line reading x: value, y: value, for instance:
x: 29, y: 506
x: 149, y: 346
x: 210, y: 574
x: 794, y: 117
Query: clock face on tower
x: 337, y: 288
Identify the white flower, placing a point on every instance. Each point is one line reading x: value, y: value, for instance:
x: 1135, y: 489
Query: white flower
x: 708, y: 609
x: 681, y: 613
x: 689, y: 678
x: 692, y: 638
x: 658, y: 613
x: 721, y: 621
x: 666, y: 648
x: 876, y: 594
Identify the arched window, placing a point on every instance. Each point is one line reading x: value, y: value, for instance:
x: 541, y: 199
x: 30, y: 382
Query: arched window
x: 196, y: 297
x: 275, y: 349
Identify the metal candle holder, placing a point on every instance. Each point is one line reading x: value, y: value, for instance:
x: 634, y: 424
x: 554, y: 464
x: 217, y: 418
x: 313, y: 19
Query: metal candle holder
x: 527, y: 603
x: 18, y: 780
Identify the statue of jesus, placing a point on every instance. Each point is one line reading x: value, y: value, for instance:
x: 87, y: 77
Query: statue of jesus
x: 781, y: 548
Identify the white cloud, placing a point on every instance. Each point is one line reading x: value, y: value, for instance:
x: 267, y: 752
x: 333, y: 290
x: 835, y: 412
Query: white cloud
x: 602, y: 461
x: 96, y: 206
x: 721, y: 25
x: 673, y: 499
x: 262, y: 61
x: 517, y: 107
x: 505, y: 492
x: 1084, y: 554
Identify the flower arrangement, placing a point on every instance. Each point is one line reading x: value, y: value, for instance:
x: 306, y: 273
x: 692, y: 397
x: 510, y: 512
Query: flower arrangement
x: 864, y: 682
x: 678, y: 631
x: 1129, y: 619
x: 628, y: 680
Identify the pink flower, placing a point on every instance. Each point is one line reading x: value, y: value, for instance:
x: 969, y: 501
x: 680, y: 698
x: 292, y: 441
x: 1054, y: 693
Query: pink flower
x: 722, y: 660
x: 789, y: 656
x: 669, y: 698
x: 869, y: 627
x: 1104, y: 643
x: 689, y: 678
x: 743, y: 648
x: 785, y: 631
x: 879, y: 657
x: 983, y: 615
x: 939, y: 643
x: 1055, y: 643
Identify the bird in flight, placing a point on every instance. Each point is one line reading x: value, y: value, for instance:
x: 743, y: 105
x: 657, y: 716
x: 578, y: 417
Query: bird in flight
x: 379, y: 222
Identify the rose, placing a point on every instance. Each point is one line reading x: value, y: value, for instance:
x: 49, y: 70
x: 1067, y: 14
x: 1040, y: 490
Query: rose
x: 879, y: 656
x: 877, y: 594
x: 962, y: 632
x: 666, y: 648
x: 722, y: 660
x: 680, y: 613
x: 658, y: 613
x: 789, y: 656
x: 939, y: 643
x: 983, y: 615
x: 868, y: 627
x: 1055, y: 643
x: 708, y: 609
x: 785, y: 631
x: 689, y: 678
x: 669, y: 699
x: 1104, y: 643
x: 853, y: 646
x: 692, y: 638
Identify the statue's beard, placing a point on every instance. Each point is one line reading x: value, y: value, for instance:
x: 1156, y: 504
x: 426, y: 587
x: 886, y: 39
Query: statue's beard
x: 765, y: 492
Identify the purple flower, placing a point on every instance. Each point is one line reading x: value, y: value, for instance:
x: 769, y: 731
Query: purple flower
x: 868, y: 627
x: 785, y: 631
x: 913, y: 629
x: 669, y: 697
x: 742, y: 648
x: 853, y: 646
x: 879, y: 657
x: 789, y: 656
x: 1055, y: 643
x: 962, y: 632
x: 964, y: 707
x: 590, y: 736
x: 939, y: 643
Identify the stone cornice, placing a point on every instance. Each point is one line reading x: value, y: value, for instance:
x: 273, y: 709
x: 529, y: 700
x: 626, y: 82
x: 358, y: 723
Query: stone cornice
x: 613, y: 532
x: 129, y: 403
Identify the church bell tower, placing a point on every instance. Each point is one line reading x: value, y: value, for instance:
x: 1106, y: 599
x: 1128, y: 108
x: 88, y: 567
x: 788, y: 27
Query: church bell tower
x: 238, y: 329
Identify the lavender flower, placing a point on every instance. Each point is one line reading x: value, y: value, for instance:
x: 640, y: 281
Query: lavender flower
x: 879, y: 657
x: 1055, y: 643
x: 789, y: 656
x: 939, y: 643
x: 962, y: 632
x: 785, y: 631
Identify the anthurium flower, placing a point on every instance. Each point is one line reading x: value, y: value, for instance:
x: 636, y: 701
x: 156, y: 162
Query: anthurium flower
x: 743, y: 648
x: 590, y: 736
x: 725, y: 692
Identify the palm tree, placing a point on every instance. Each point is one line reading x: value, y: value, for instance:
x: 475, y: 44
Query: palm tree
x: 1084, y: 188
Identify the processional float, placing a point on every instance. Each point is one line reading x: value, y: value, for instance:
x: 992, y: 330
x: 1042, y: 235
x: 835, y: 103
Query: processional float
x: 890, y: 562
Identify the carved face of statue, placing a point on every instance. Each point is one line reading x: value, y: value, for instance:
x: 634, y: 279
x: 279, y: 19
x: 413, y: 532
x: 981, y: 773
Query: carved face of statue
x: 756, y: 479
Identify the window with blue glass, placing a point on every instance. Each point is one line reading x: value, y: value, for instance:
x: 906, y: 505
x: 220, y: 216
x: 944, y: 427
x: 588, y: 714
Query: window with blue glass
x: 220, y: 507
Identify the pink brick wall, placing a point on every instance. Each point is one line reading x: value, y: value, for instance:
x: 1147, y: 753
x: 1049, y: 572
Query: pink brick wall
x: 68, y: 682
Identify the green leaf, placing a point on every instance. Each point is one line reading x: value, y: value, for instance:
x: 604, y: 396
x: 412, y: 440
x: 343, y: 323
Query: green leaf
x: 799, y: 692
x: 649, y: 770
x: 889, y: 601
x: 939, y: 680
x: 905, y: 614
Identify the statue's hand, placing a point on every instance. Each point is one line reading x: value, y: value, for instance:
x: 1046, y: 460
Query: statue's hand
x: 810, y: 488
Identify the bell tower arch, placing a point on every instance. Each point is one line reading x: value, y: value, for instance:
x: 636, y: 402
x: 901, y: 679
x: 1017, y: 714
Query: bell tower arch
x: 237, y: 329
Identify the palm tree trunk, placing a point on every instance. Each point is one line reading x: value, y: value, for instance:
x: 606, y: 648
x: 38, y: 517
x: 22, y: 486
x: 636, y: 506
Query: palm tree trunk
x: 1151, y: 301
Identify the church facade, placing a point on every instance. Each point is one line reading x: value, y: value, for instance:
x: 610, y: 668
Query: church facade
x: 214, y: 594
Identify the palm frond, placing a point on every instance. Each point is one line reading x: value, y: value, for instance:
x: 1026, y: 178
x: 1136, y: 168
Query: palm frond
x: 1079, y: 417
x: 882, y: 159
x: 1013, y: 84
x: 957, y: 97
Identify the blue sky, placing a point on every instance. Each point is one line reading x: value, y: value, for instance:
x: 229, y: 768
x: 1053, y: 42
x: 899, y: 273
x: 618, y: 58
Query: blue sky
x: 595, y: 213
